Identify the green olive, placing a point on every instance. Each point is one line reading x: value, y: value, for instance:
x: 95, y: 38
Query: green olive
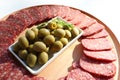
x: 35, y: 30
x: 31, y: 60
x: 64, y: 41
x: 30, y: 35
x: 59, y: 26
x: 49, y: 39
x: 42, y: 58
x: 75, y: 32
x: 23, y: 54
x: 39, y: 46
x: 16, y: 47
x: 43, y: 32
x: 30, y: 48
x: 59, y: 33
x: 23, y: 42
x: 56, y: 46
x: 68, y: 34
x: 52, y: 25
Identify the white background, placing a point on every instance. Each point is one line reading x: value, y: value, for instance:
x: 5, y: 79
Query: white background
x: 108, y: 11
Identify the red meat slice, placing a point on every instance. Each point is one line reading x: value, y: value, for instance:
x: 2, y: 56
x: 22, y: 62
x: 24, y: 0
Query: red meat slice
x: 17, y: 21
x: 78, y: 19
x: 97, y: 44
x: 108, y: 55
x: 79, y: 74
x: 23, y: 14
x: 54, y: 11
x: 102, y: 69
x: 93, y: 29
x: 5, y: 68
x: 75, y: 64
x: 86, y: 22
x: 64, y: 11
x: 100, y: 34
x: 71, y: 15
x: 8, y: 26
x: 34, y: 14
x: 44, y: 12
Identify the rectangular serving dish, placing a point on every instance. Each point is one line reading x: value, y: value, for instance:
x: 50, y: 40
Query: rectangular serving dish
x: 38, y: 68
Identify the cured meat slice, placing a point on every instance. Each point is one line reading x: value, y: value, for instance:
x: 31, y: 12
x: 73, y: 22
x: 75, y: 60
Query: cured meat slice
x: 5, y: 68
x: 79, y: 74
x: 6, y: 25
x: 34, y: 14
x: 100, y: 34
x: 64, y: 11
x: 25, y: 16
x: 108, y: 55
x: 54, y: 11
x: 95, y: 28
x: 86, y: 22
x: 75, y: 64
x: 78, y: 19
x: 71, y: 15
x: 44, y: 12
x: 97, y: 44
x: 17, y: 21
x: 102, y: 69
x: 102, y: 78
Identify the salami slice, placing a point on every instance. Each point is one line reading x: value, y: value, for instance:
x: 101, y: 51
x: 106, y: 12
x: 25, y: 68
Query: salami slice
x: 64, y: 11
x: 54, y: 11
x: 100, y: 34
x: 78, y: 19
x: 34, y: 14
x: 79, y: 74
x: 17, y: 21
x: 97, y: 44
x: 86, y: 22
x: 23, y: 14
x: 93, y: 29
x: 71, y: 14
x: 108, y: 55
x: 102, y: 69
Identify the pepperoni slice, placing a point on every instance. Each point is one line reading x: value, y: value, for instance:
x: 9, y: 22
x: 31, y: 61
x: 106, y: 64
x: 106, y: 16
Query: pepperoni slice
x: 97, y: 44
x: 102, y: 69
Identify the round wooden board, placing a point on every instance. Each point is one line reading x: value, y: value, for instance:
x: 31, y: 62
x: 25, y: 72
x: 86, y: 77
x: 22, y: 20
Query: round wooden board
x: 63, y: 63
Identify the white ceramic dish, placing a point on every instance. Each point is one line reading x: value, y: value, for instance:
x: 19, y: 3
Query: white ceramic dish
x: 38, y: 68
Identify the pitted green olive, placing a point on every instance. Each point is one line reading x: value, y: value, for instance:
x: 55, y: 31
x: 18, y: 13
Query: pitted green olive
x: 31, y: 60
x: 68, y: 34
x: 43, y: 32
x: 16, y: 47
x: 59, y: 33
x: 64, y: 41
x: 56, y: 46
x: 30, y: 35
x: 23, y: 42
x: 52, y: 25
x: 39, y: 46
x: 75, y: 32
x: 42, y: 58
x: 35, y: 30
x: 49, y: 39
x: 23, y: 54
